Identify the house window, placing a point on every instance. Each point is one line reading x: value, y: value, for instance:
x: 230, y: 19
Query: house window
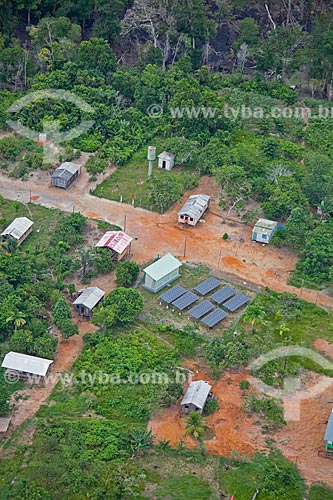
x: 264, y: 236
x: 191, y: 219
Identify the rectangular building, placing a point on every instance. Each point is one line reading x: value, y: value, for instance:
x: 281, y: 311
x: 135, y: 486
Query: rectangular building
x: 118, y: 242
x: 18, y: 230
x: 87, y: 300
x: 23, y: 366
x: 161, y: 273
x: 65, y: 175
x: 263, y: 230
x: 193, y: 209
x: 195, y: 397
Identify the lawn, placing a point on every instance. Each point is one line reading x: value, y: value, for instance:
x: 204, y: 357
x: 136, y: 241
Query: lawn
x: 132, y: 180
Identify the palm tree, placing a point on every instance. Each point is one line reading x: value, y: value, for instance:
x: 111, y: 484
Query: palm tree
x: 255, y: 315
x: 87, y: 259
x: 195, y: 425
x: 18, y: 319
x: 140, y: 441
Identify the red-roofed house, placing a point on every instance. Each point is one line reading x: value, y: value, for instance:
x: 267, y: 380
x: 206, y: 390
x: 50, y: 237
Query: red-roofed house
x: 117, y: 241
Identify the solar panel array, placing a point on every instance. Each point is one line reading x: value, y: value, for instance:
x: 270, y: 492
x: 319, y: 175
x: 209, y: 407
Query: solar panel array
x: 224, y: 294
x: 214, y: 317
x: 201, y: 309
x: 207, y: 286
x: 174, y: 293
x: 185, y: 301
x: 236, y: 302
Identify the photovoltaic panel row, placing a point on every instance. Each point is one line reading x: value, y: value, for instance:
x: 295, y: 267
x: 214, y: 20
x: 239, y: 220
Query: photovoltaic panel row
x: 185, y: 301
x: 214, y: 317
x: 201, y: 309
x: 174, y: 293
x: 207, y: 286
x: 224, y: 294
x: 236, y: 302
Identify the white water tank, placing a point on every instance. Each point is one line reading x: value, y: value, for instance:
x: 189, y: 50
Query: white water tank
x: 151, y: 153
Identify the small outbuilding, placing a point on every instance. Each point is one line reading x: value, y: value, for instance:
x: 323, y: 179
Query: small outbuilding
x: 263, y: 230
x: 65, y: 175
x: 193, y: 209
x: 166, y: 160
x: 162, y: 272
x: 118, y: 242
x: 25, y: 367
x: 196, y: 396
x: 4, y: 426
x: 329, y: 434
x: 18, y: 230
x: 87, y: 300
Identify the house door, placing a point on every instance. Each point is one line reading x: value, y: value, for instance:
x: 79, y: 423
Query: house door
x: 163, y: 164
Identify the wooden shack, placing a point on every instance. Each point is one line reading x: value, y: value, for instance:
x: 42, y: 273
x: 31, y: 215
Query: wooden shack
x: 118, y: 242
x: 166, y: 160
x: 196, y: 396
x: 193, y: 209
x: 18, y: 230
x: 4, y: 426
x: 87, y: 300
x: 64, y: 176
x: 30, y: 368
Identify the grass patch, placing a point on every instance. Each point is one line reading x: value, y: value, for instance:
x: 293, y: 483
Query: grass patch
x: 187, y: 487
x: 319, y: 492
x: 132, y: 180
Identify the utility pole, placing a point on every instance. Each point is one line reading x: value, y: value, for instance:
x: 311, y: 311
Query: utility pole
x: 185, y: 240
x: 125, y: 223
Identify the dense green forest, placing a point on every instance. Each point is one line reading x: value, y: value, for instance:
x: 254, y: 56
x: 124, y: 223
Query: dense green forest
x: 240, y: 91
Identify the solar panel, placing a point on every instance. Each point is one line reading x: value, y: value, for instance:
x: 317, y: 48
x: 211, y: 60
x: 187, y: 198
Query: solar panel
x: 185, y: 301
x: 214, y: 317
x: 236, y: 302
x: 174, y: 293
x: 224, y: 294
x: 201, y: 309
x: 207, y: 286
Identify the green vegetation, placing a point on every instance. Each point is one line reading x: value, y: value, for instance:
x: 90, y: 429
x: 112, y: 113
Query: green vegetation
x: 266, y: 407
x: 127, y: 273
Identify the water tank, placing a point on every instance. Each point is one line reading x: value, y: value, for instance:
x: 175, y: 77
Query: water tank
x: 151, y: 153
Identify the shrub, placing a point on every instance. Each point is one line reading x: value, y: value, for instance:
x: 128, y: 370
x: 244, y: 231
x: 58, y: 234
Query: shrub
x: 211, y: 406
x: 127, y: 273
x: 244, y: 385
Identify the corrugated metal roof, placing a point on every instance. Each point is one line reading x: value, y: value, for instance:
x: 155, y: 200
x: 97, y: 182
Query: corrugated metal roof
x: 66, y: 170
x: 115, y: 240
x: 165, y: 155
x: 263, y: 225
x: 24, y: 363
x: 89, y: 297
x: 162, y: 267
x: 329, y: 429
x: 197, y: 394
x: 194, y: 205
x: 18, y: 227
x: 4, y: 424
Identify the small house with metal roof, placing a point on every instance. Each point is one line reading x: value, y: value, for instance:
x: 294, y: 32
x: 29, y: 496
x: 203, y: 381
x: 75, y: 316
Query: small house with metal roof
x: 24, y: 366
x: 264, y: 230
x: 118, y: 242
x: 196, y: 396
x: 329, y: 434
x: 4, y: 426
x: 166, y: 160
x: 18, y: 230
x: 193, y: 209
x: 65, y: 175
x: 87, y: 300
x: 162, y: 272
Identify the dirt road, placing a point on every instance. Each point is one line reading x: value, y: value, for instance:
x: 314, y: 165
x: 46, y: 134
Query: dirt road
x: 158, y: 234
